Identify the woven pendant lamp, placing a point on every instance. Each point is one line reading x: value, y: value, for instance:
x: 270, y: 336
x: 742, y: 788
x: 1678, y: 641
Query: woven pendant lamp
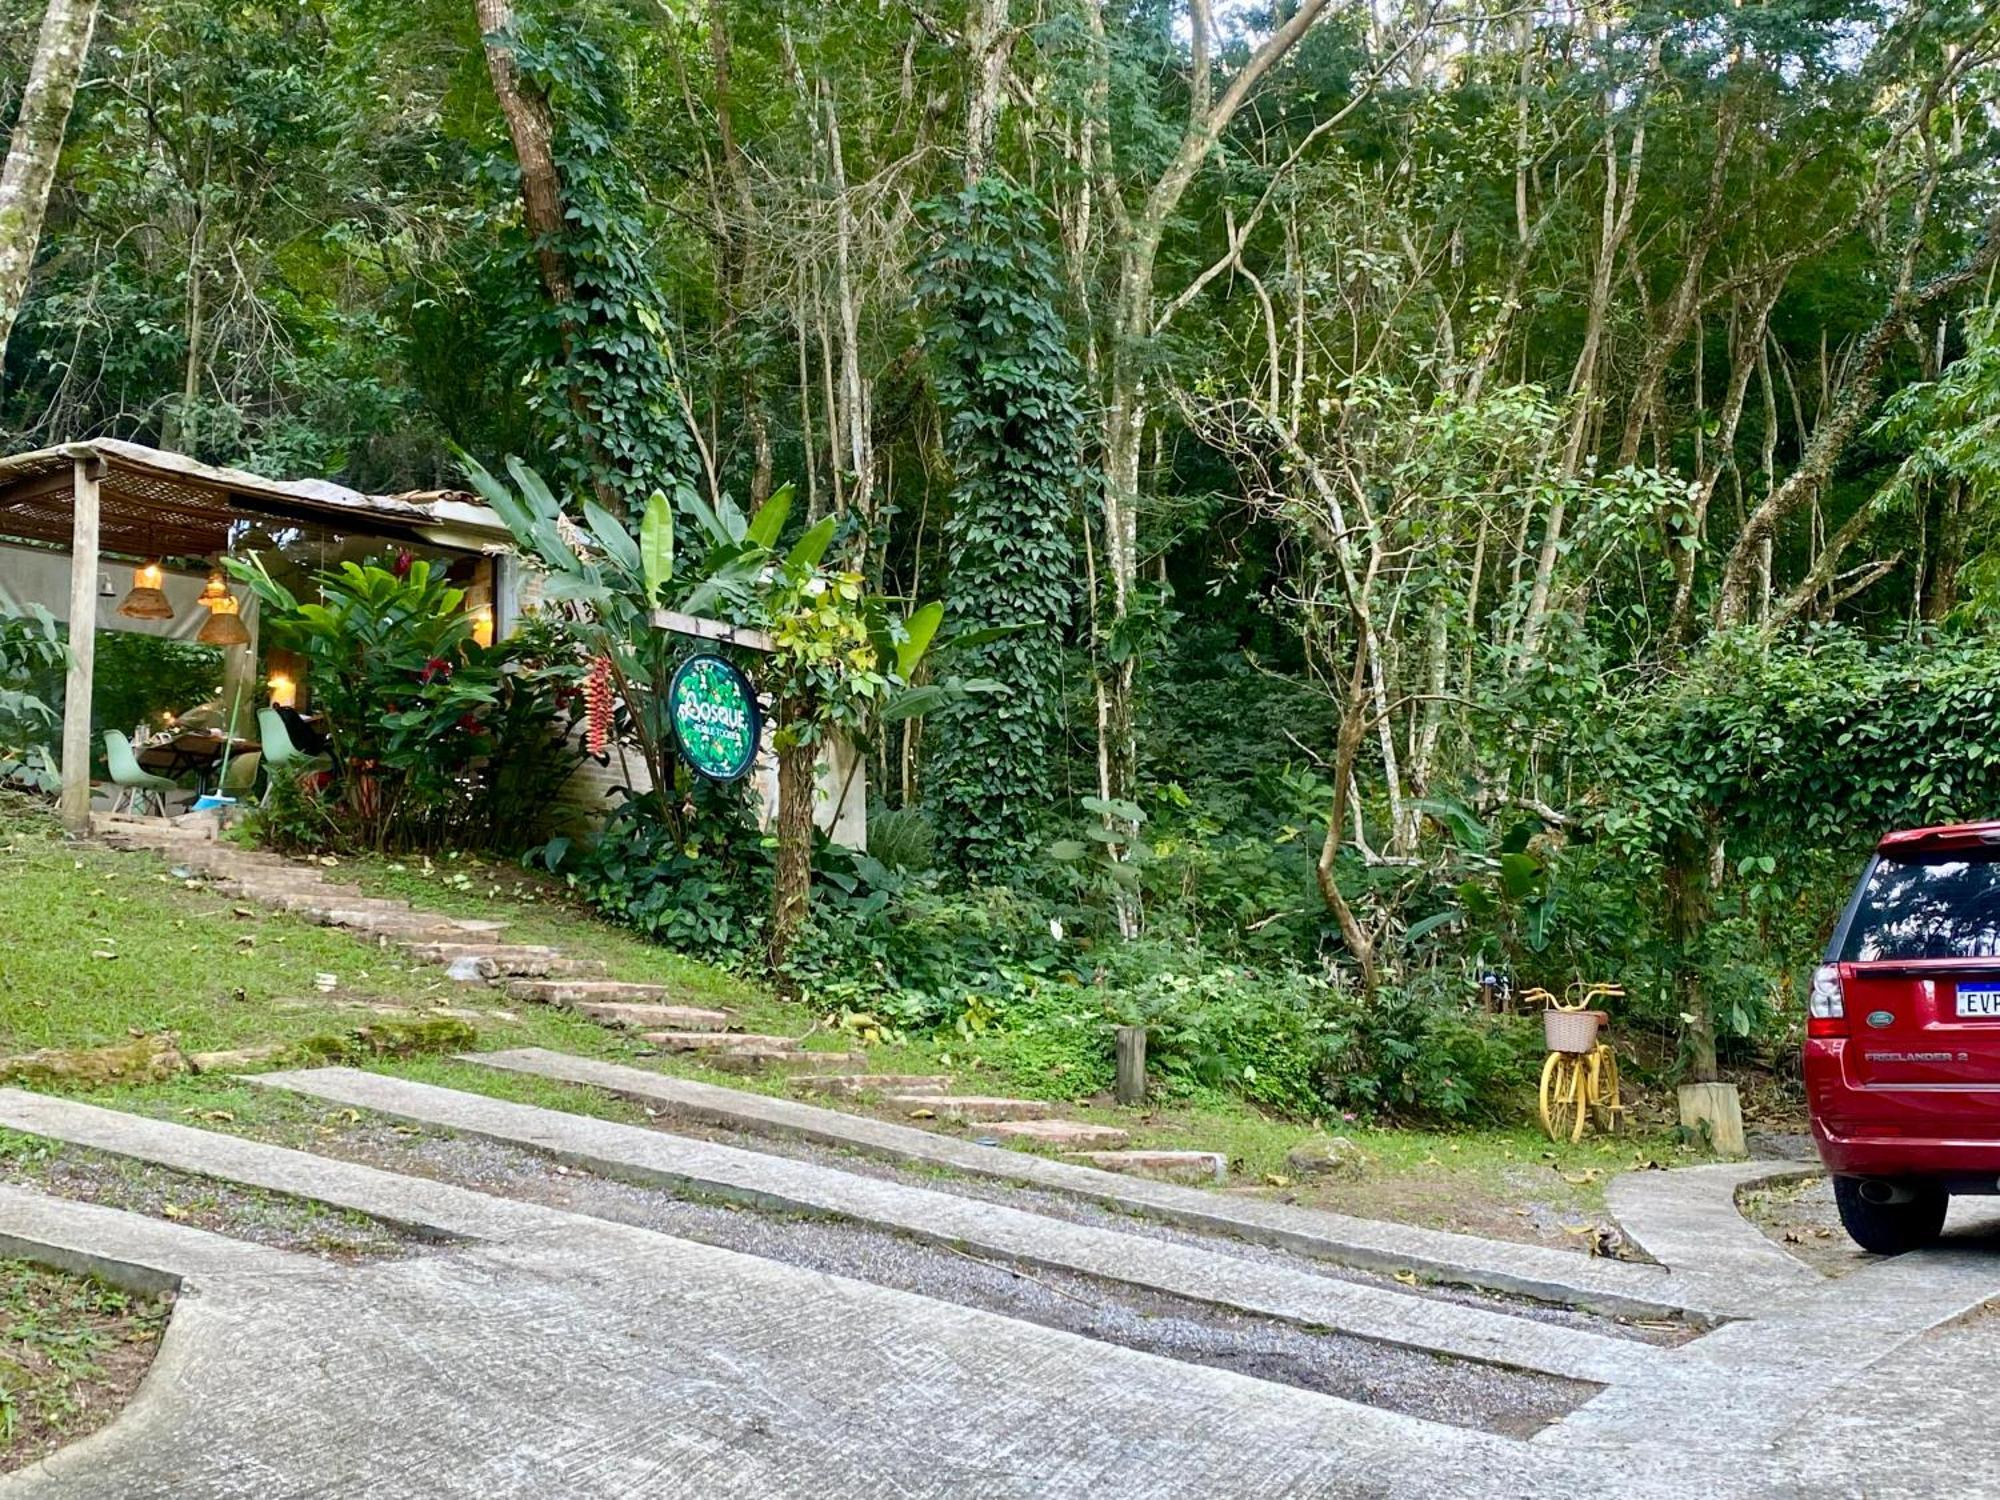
x: 146, y: 600
x: 224, y: 626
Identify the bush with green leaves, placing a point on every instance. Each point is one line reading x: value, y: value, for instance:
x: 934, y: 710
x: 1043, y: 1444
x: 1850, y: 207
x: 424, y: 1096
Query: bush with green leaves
x: 435, y: 740
x: 138, y: 678
x: 696, y: 877
x: 1421, y: 1051
x: 32, y: 653
x: 1214, y: 1025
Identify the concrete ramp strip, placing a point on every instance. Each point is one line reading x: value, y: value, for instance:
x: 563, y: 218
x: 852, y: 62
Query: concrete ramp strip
x: 1244, y: 1285
x: 407, y: 1202
x: 1559, y: 1276
x: 1688, y: 1219
x: 132, y: 1250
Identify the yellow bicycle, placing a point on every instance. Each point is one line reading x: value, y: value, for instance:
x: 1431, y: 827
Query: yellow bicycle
x: 1580, y: 1075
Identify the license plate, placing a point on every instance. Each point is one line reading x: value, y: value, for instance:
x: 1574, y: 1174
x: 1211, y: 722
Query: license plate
x: 1979, y: 1000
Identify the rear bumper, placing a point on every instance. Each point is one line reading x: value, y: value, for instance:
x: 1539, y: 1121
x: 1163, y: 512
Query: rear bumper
x: 1973, y: 1166
x: 1897, y: 1132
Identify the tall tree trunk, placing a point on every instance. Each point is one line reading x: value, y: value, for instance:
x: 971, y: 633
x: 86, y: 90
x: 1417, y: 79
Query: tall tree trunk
x: 1138, y: 249
x: 734, y: 210
x: 30, y: 170
x: 1616, y: 225
x: 988, y: 43
x: 1688, y: 899
x: 791, y: 896
x: 531, y: 127
x: 1849, y: 403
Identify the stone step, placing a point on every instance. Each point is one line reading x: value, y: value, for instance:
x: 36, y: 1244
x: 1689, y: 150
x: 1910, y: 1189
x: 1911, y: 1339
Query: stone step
x: 1167, y: 1166
x: 550, y: 991
x: 848, y: 1084
x: 413, y: 1012
x: 970, y: 1108
x: 1078, y: 1135
x: 723, y: 1041
x: 395, y: 924
x: 268, y: 887
x: 674, y: 1018
x: 492, y: 963
x: 315, y: 903
x: 730, y: 1052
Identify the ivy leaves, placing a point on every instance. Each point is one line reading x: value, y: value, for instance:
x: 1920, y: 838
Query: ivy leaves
x: 1008, y: 384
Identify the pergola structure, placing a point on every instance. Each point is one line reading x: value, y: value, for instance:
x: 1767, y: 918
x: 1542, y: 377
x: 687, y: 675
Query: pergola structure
x: 109, y: 496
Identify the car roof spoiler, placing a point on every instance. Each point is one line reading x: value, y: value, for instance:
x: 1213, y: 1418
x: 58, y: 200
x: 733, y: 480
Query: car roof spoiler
x: 1944, y: 837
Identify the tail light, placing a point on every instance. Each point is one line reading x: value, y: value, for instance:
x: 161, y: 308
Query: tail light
x: 1826, y: 1010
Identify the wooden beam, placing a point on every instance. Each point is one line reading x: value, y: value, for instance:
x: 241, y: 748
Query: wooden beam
x: 705, y: 629
x: 82, y: 645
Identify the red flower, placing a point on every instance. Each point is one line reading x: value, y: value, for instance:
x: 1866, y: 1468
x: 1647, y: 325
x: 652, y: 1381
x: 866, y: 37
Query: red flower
x: 437, y: 666
x: 597, y: 693
x: 401, y: 566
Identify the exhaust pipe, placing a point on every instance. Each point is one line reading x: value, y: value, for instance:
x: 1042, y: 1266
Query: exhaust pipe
x: 1877, y: 1191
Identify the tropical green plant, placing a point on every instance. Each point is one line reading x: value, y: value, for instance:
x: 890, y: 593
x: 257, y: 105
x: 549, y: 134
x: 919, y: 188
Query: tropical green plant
x: 840, y: 658
x: 414, y: 707
x: 31, y: 652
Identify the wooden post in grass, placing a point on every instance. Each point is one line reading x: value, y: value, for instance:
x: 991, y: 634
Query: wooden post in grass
x: 1131, y: 1065
x: 82, y: 645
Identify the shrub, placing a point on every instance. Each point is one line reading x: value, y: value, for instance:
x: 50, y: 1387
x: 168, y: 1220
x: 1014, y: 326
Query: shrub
x: 695, y: 877
x: 31, y: 650
x: 435, y: 740
x: 1214, y: 1025
x: 1421, y: 1053
x: 903, y: 838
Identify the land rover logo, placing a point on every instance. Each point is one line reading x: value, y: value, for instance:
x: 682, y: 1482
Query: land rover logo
x: 715, y: 717
x: 1880, y: 1018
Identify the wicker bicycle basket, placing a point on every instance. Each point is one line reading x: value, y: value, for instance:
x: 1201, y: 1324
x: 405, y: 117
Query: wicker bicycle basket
x: 1569, y: 1030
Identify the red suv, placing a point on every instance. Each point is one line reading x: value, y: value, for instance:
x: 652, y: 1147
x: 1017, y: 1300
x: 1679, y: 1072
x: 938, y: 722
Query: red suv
x: 1902, y: 1061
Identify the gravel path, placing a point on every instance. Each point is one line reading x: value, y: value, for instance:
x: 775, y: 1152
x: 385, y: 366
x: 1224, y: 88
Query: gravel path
x: 1445, y: 1390
x: 204, y: 1203
x: 1083, y: 1211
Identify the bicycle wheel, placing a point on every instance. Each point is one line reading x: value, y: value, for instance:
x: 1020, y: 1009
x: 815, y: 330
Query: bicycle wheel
x: 1606, y: 1110
x: 1564, y: 1082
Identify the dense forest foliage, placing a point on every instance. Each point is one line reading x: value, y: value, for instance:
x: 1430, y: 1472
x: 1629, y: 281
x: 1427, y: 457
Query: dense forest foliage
x: 1431, y: 488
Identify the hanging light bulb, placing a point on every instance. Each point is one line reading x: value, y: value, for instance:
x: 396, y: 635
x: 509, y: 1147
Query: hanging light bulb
x: 482, y: 625
x: 224, y: 626
x: 284, y: 691
x: 147, y: 600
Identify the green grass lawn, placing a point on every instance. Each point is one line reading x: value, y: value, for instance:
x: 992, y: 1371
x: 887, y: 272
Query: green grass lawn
x: 103, y: 945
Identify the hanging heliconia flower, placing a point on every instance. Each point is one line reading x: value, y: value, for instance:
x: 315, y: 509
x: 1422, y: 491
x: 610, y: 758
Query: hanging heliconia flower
x: 597, y: 698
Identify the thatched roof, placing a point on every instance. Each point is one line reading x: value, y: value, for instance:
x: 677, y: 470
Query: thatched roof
x: 154, y: 502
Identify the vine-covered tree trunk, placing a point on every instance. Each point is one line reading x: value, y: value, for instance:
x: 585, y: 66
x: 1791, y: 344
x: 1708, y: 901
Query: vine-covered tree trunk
x: 531, y: 127
x: 792, y: 892
x: 613, y: 396
x: 1010, y: 389
x: 30, y: 170
x: 1687, y: 881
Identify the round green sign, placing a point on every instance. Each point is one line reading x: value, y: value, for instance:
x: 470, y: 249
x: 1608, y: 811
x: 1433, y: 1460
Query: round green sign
x: 715, y: 717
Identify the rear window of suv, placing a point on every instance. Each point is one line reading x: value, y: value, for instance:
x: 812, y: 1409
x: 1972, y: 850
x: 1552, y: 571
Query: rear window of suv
x: 1942, y: 906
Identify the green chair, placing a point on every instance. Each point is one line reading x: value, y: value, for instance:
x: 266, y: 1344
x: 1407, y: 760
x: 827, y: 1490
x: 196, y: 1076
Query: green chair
x: 280, y: 755
x: 134, y: 782
x: 239, y: 777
